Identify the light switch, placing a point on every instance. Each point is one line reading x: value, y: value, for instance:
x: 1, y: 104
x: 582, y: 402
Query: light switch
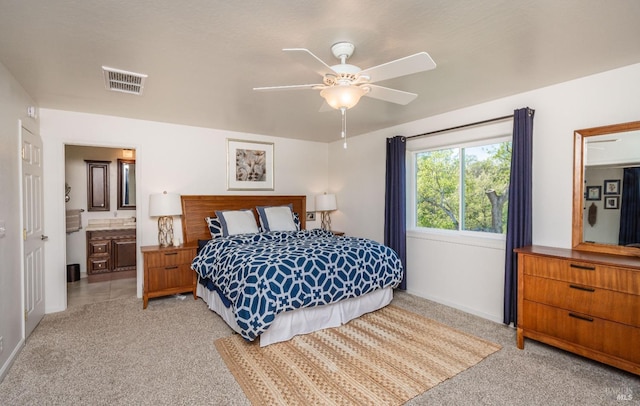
x: 3, y: 228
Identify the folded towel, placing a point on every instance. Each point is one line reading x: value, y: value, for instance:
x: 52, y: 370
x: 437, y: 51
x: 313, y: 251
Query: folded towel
x: 74, y: 222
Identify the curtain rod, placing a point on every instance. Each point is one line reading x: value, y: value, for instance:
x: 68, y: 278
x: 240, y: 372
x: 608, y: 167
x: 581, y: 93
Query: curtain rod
x: 462, y: 126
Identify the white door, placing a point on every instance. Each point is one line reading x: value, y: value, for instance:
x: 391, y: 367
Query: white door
x: 32, y: 233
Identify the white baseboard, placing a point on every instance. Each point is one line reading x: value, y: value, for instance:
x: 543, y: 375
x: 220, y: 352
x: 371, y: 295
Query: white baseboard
x: 14, y: 354
x: 491, y: 317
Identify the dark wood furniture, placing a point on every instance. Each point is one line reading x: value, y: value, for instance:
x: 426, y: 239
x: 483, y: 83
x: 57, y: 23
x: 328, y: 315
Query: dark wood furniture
x: 584, y: 302
x: 98, y: 185
x: 196, y: 208
x: 126, y: 184
x: 167, y: 271
x: 111, y: 254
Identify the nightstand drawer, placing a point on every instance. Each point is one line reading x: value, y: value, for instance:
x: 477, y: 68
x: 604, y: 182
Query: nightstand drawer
x: 168, y: 258
x: 167, y: 271
x: 170, y: 277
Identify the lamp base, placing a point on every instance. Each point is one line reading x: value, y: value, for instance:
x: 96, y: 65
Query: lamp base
x: 325, y: 222
x: 165, y: 231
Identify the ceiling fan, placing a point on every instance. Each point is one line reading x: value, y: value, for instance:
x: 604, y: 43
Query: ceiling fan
x: 344, y: 84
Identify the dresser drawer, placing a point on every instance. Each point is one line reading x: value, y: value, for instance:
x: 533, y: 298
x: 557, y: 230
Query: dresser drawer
x: 168, y: 258
x: 615, y: 339
x: 171, y: 277
x: 583, y: 273
x: 598, y: 302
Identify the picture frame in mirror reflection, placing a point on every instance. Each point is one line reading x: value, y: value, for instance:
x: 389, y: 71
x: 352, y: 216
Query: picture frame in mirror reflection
x: 593, y: 192
x: 611, y: 202
x: 612, y: 187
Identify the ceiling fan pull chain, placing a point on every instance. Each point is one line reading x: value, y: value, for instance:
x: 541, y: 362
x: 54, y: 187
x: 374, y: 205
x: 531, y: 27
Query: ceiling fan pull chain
x: 343, y: 110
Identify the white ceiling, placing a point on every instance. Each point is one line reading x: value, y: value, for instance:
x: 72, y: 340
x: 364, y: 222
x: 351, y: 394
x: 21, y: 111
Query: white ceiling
x: 203, y: 57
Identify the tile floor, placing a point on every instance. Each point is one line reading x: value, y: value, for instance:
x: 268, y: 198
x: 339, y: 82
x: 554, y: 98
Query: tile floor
x: 81, y: 292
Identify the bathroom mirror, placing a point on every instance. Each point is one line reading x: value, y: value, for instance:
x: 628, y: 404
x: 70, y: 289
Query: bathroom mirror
x: 606, y: 195
x: 126, y: 184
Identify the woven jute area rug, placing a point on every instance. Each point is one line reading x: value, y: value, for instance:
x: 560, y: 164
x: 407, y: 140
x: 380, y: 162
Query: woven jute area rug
x: 382, y: 358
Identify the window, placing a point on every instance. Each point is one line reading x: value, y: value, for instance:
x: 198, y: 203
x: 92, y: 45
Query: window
x: 463, y: 187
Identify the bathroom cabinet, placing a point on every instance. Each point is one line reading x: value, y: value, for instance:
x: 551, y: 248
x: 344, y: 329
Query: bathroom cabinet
x: 98, y: 185
x: 111, y: 254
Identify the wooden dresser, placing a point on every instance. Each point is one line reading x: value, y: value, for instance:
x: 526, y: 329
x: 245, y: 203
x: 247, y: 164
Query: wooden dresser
x: 167, y: 271
x: 583, y: 302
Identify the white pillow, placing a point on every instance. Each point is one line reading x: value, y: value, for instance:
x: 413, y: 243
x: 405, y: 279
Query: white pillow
x: 237, y: 222
x: 276, y: 218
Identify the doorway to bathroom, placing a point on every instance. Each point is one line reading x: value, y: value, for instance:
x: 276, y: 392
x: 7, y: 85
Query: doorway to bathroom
x: 100, y: 216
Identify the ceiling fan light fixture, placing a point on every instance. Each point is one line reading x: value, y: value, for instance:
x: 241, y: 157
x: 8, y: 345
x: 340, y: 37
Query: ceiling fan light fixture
x: 341, y: 96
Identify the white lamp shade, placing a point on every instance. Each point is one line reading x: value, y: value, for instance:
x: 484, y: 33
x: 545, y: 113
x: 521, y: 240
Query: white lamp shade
x: 343, y: 96
x: 165, y: 204
x: 326, y: 202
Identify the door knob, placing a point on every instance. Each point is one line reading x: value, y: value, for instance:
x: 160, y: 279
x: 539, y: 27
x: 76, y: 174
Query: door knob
x: 44, y: 237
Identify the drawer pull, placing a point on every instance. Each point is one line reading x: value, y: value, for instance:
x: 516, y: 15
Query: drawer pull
x: 588, y: 268
x: 171, y: 267
x: 582, y: 288
x: 577, y: 316
x: 171, y: 253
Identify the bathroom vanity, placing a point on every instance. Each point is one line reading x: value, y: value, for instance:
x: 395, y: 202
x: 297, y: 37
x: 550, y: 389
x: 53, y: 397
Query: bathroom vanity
x: 111, y: 251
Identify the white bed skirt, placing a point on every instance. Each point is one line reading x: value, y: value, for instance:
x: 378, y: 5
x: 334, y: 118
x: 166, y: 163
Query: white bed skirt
x: 302, y: 321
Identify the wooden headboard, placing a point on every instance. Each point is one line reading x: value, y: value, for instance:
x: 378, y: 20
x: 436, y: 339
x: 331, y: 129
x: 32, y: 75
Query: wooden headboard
x: 196, y: 207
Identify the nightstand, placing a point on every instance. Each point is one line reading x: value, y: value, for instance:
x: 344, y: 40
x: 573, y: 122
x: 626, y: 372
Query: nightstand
x: 167, y: 271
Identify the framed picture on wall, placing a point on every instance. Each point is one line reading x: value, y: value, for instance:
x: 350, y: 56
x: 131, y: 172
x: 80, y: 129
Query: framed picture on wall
x: 249, y: 165
x: 593, y: 192
x: 611, y: 202
x: 612, y: 187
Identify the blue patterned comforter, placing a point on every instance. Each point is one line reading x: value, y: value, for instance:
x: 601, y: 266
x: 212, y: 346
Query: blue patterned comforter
x: 261, y: 275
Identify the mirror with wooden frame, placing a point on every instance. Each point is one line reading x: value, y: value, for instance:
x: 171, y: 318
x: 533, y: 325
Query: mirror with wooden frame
x: 126, y: 184
x: 606, y: 170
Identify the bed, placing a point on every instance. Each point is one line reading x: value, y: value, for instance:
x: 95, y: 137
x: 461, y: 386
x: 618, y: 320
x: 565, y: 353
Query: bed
x: 276, y: 289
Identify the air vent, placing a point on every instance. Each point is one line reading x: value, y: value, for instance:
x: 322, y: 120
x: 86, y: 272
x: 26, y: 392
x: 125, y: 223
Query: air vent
x: 123, y: 81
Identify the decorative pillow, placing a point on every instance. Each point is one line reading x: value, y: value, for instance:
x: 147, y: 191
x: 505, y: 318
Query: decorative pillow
x: 215, y: 228
x: 276, y: 218
x: 296, y: 221
x: 237, y: 222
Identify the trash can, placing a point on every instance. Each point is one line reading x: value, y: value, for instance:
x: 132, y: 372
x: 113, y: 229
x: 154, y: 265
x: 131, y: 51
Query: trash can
x: 73, y: 272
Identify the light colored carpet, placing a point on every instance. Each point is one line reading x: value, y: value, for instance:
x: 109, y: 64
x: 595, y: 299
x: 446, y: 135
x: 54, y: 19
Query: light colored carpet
x: 115, y: 353
x: 382, y: 358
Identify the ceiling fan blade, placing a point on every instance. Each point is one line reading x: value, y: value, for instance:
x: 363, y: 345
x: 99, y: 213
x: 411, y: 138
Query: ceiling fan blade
x: 400, y: 67
x: 290, y: 87
x: 307, y: 58
x: 390, y: 95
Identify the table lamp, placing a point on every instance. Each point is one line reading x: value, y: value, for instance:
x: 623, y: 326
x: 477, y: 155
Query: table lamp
x: 324, y: 204
x: 165, y: 205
